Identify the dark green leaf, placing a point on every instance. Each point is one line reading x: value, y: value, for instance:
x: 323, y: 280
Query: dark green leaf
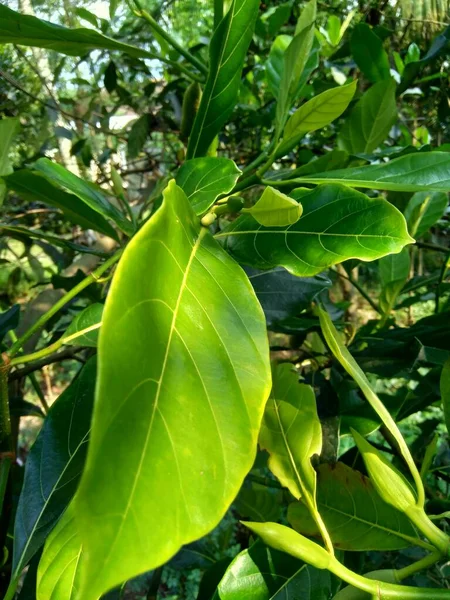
x: 424, y: 210
x: 228, y: 48
x: 445, y: 392
x: 26, y: 30
x: 262, y: 573
x: 138, y: 135
x: 355, y: 516
x: 427, y: 171
x: 9, y: 320
x: 54, y: 466
x: 369, y: 54
x: 8, y: 129
x: 87, y: 192
x: 259, y: 503
x: 204, y: 179
x: 371, y: 119
x: 85, y: 14
x: 356, y: 227
x: 394, y: 272
x: 34, y: 187
x: 196, y: 302
x: 110, y: 77
x: 283, y: 295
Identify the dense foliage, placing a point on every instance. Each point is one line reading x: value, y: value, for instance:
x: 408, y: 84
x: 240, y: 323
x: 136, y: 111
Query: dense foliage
x: 225, y: 368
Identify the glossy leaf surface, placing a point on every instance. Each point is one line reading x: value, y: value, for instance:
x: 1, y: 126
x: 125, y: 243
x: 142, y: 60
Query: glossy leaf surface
x: 319, y: 111
x: 283, y: 295
x: 371, y: 119
x: 262, y: 573
x: 337, y: 224
x: 183, y: 418
x: 428, y: 172
x: 84, y: 329
x: 204, y: 179
x: 369, y: 54
x: 275, y: 209
x: 355, y: 516
x: 54, y: 466
x: 424, y: 210
x: 87, y: 192
x: 26, y: 30
x: 228, y: 48
x: 60, y: 568
x: 33, y: 187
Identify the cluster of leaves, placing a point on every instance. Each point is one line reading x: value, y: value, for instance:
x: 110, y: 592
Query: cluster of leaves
x: 300, y: 216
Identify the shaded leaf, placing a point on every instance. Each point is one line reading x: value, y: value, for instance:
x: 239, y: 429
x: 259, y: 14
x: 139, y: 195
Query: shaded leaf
x: 394, y: 272
x: 204, y: 179
x: 371, y: 119
x: 424, y: 210
x: 54, y: 466
x: 282, y: 295
x: 138, y: 135
x: 34, y: 187
x: 356, y: 517
x: 9, y: 320
x: 369, y: 54
x: 85, y: 327
x: 139, y: 415
x: 355, y: 227
x: 228, y: 49
x: 259, y: 503
x: 445, y: 392
x: 9, y: 127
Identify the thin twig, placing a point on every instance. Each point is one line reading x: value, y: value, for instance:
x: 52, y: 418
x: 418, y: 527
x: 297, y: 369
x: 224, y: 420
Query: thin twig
x: 66, y: 354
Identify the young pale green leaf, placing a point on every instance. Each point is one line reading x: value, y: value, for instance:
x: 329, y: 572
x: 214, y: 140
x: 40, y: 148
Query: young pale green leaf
x: 262, y: 573
x: 424, y: 210
x: 204, y: 179
x: 337, y: 224
x: 84, y: 329
x: 291, y: 432
x: 319, y: 111
x: 168, y: 455
x: 294, y: 62
x: 427, y: 171
x: 34, y: 187
x: 369, y: 54
x: 356, y: 518
x: 283, y: 295
x: 87, y: 192
x: 228, y: 48
x: 445, y: 392
x: 62, y: 562
x: 275, y: 209
x: 371, y: 119
x: 54, y: 466
x: 26, y: 30
x: 394, y: 272
x: 287, y: 540
x: 275, y: 62
x: 390, y: 484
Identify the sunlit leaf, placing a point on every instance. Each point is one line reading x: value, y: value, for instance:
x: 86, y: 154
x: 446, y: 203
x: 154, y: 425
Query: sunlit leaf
x: 424, y: 210
x: 84, y: 329
x: 275, y: 209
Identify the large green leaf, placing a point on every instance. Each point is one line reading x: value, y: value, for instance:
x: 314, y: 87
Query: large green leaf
x: 371, y: 119
x: 427, y: 171
x: 87, y: 192
x: 394, y: 272
x: 283, y: 295
x: 445, y: 392
x: 355, y: 516
x: 228, y: 48
x: 262, y: 573
x: 275, y: 61
x: 319, y: 111
x: 175, y: 429
x: 423, y: 211
x: 54, y: 466
x: 204, y: 179
x: 369, y: 54
x: 337, y: 224
x: 8, y: 129
x: 26, y: 30
x: 62, y: 562
x: 35, y: 187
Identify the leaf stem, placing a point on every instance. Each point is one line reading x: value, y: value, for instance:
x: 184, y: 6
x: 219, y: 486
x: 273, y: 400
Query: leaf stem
x: 172, y: 41
x: 361, y: 290
x: 94, y: 276
x: 420, y: 565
